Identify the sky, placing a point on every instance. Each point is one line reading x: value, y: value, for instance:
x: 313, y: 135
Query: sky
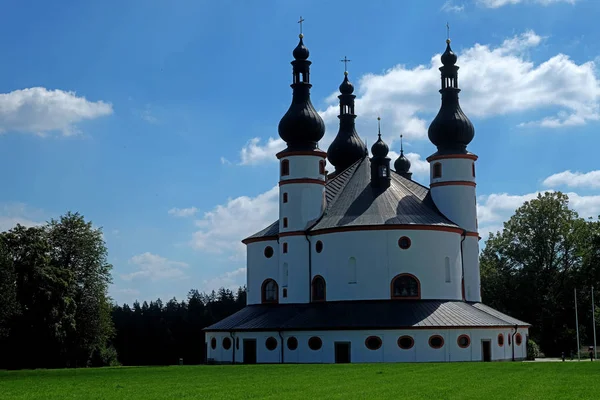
x: 157, y: 120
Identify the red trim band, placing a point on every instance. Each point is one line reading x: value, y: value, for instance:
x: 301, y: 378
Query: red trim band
x: 318, y: 153
x: 453, y: 183
x: 453, y: 156
x: 302, y: 180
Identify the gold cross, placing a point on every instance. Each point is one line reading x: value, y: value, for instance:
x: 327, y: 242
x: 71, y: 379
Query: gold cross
x: 300, y: 22
x: 345, y: 61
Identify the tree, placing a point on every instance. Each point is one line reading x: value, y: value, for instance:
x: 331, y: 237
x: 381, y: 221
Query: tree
x: 9, y: 307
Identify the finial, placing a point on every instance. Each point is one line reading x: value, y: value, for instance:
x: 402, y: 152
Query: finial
x: 379, y: 127
x: 401, y: 146
x: 345, y: 61
x: 447, y: 33
x: 300, y: 22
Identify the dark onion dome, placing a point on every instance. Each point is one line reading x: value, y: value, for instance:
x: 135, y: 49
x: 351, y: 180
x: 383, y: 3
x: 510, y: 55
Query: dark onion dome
x: 347, y: 147
x: 451, y: 131
x: 301, y: 127
x: 402, y: 164
x: 379, y: 148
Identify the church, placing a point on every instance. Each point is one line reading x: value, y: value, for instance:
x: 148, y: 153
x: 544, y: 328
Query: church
x: 364, y: 264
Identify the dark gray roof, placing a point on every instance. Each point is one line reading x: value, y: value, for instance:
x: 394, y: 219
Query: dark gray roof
x: 271, y: 230
x: 374, y: 314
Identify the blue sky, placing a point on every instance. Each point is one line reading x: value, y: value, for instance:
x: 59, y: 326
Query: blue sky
x: 158, y: 120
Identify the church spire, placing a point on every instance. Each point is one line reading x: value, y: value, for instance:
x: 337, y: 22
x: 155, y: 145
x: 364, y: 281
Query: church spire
x: 451, y: 131
x: 301, y: 127
x: 347, y: 147
x: 402, y: 164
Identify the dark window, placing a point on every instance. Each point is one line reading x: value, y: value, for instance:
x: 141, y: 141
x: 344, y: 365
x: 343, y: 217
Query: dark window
x: 437, y: 170
x: 373, y: 342
x: 436, y: 342
x: 319, y: 246
x: 270, y: 291
x: 292, y: 343
x: 404, y: 242
x: 285, y: 222
x: 383, y: 171
x: 406, y: 342
x: 226, y: 343
x: 500, y: 340
x: 509, y: 340
x: 213, y: 343
x: 285, y: 167
x: 463, y: 341
x: 518, y: 339
x: 473, y: 167
x: 271, y: 343
x: 285, y: 247
x: 318, y: 288
x: 268, y: 252
x: 406, y: 286
x: 315, y: 343
x: 237, y: 343
x: 284, y: 293
x: 322, y: 167
x: 285, y: 197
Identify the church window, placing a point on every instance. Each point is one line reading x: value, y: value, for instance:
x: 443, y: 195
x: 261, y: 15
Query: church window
x: 237, y: 343
x: 268, y: 252
x: 226, y: 343
x: 270, y: 291
x: 473, y: 168
x: 500, y: 340
x: 322, y: 167
x: 447, y: 269
x: 285, y: 247
x: 404, y: 242
x: 352, y: 270
x: 292, y: 343
x: 406, y: 286
x: 406, y: 342
x: 319, y: 246
x: 285, y: 222
x: 315, y: 343
x: 509, y: 340
x: 437, y: 170
x: 383, y: 171
x: 284, y: 280
x: 284, y: 292
x: 518, y: 339
x: 318, y: 288
x: 373, y: 342
x: 271, y: 343
x: 285, y: 197
x: 463, y: 341
x: 285, y: 167
x: 436, y: 342
x: 213, y: 343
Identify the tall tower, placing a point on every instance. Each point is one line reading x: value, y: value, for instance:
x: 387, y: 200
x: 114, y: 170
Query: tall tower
x: 347, y: 147
x: 301, y: 181
x: 452, y: 169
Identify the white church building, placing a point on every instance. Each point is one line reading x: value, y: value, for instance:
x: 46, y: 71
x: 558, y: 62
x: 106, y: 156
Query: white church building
x: 365, y: 264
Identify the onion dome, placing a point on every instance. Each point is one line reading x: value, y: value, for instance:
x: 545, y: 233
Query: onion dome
x: 379, y: 148
x: 402, y: 164
x: 347, y: 147
x: 451, y: 130
x: 301, y: 127
x: 380, y: 163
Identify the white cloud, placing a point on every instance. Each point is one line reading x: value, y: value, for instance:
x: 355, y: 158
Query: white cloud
x: 501, y: 3
x: 223, y: 228
x: 183, y: 212
x: 574, y: 179
x: 154, y: 267
x: 449, y: 6
x: 40, y: 111
x: 229, y: 280
x: 254, y: 153
x: 12, y: 214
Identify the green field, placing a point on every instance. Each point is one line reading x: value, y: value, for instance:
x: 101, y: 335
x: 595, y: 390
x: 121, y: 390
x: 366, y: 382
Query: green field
x: 544, y: 380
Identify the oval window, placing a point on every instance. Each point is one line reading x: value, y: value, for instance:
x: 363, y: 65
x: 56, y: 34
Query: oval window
x: 518, y: 339
x: 463, y: 341
x: 373, y: 342
x: 436, y: 341
x: 500, y: 340
x: 213, y: 343
x: 315, y: 343
x: 319, y: 246
x: 268, y: 252
x: 226, y: 343
x: 404, y: 242
x: 292, y: 343
x: 271, y: 343
x: 406, y: 342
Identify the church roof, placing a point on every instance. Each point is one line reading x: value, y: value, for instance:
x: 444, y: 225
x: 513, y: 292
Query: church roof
x: 366, y: 314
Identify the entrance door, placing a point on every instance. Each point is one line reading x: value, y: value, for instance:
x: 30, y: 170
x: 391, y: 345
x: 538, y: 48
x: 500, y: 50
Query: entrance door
x: 342, y: 352
x: 486, y: 350
x: 249, y: 351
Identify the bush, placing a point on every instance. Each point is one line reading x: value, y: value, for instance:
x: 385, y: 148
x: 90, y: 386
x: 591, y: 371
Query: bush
x: 533, y: 350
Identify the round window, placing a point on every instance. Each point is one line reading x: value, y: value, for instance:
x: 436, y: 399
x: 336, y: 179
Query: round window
x: 319, y: 246
x: 463, y: 341
x: 213, y: 343
x: 518, y: 339
x: 373, y: 342
x: 292, y: 343
x: 406, y: 342
x: 226, y: 343
x: 315, y: 343
x: 404, y: 242
x: 268, y: 252
x: 271, y: 343
x: 500, y: 340
x: 436, y: 341
x: 237, y: 343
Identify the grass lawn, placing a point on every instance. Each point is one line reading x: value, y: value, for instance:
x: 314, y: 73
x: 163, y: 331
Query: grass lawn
x: 547, y: 380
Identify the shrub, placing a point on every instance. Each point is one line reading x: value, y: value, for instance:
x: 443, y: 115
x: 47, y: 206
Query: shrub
x: 533, y: 350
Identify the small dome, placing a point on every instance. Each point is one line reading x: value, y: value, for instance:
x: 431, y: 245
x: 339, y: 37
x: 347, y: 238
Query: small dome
x: 301, y: 51
x: 380, y: 149
x: 449, y: 58
x: 346, y: 87
x: 402, y: 164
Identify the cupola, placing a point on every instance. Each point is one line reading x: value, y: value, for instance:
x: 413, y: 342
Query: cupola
x: 380, y: 162
x: 402, y: 164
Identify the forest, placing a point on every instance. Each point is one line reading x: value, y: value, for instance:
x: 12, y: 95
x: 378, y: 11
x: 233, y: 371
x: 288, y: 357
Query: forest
x: 56, y: 311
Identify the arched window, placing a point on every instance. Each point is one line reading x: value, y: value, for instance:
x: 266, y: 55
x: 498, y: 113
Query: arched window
x: 285, y: 197
x: 270, y: 291
x: 352, y: 270
x: 285, y: 167
x: 437, y: 170
x: 447, y: 269
x: 473, y: 167
x: 318, y: 288
x: 322, y: 167
x: 406, y: 286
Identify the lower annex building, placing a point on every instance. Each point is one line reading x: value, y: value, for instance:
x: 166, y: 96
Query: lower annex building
x: 364, y: 264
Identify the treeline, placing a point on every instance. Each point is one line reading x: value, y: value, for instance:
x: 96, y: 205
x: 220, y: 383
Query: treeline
x: 161, y: 334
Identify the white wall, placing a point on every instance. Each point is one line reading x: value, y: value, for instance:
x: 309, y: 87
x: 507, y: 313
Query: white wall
x: 305, y: 203
x: 259, y: 268
x: 303, y: 167
x: 472, y: 272
x: 297, y: 265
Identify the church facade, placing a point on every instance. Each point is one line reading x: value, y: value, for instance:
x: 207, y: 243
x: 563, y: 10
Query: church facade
x: 364, y: 264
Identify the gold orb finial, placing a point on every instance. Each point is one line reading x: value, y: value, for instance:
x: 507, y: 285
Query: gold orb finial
x: 346, y: 73
x: 378, y: 118
x: 448, y: 41
x: 300, y: 36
